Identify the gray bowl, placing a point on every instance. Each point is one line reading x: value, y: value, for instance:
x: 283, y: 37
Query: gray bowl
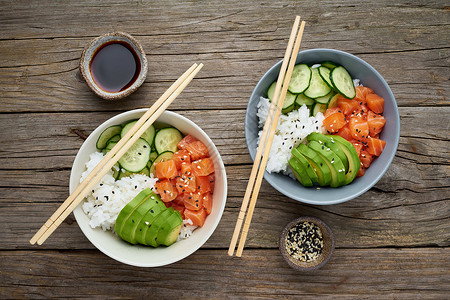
x: 369, y: 77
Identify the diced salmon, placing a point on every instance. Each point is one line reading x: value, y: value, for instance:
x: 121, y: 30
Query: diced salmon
x: 197, y: 217
x: 203, y: 167
x: 180, y: 157
x: 185, y: 141
x: 166, y: 190
x: 345, y: 133
x: 203, y: 185
x: 193, y: 201
x: 334, y: 122
x: 376, y: 123
x: 212, y: 180
x: 332, y: 110
x: 186, y: 184
x: 186, y: 169
x: 375, y: 146
x: 359, y: 128
x: 207, y: 202
x: 176, y: 206
x: 366, y: 158
x: 358, y: 146
x: 166, y: 169
x: 347, y: 105
x: 375, y: 103
x: 197, y: 150
x: 361, y: 93
x: 361, y: 172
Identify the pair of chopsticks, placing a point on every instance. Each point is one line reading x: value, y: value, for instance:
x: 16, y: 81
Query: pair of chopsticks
x: 115, y: 154
x: 265, y: 142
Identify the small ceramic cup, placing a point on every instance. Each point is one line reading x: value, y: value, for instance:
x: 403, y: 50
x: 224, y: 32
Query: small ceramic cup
x: 91, y: 50
x: 327, y: 248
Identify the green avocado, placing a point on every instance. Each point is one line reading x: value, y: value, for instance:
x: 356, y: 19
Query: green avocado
x: 328, y: 142
x: 151, y: 237
x: 147, y: 220
x: 333, y: 162
x: 168, y: 233
x: 129, y: 229
x: 303, y: 161
x: 353, y: 160
x: 300, y: 172
x: 129, y: 208
x: 318, y: 163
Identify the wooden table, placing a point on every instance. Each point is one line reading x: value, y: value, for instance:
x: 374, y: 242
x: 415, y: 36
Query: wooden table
x: 391, y: 242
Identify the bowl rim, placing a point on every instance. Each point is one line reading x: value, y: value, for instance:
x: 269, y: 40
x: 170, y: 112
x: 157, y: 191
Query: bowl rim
x: 268, y: 177
x: 85, y: 227
x: 96, y: 43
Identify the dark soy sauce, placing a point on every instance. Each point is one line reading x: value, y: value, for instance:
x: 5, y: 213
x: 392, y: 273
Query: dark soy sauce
x: 115, y: 66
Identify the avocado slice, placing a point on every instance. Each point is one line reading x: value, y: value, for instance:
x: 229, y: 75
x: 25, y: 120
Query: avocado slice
x: 318, y: 163
x: 300, y: 172
x: 147, y: 220
x: 333, y: 161
x: 328, y: 142
x: 168, y: 233
x: 353, y: 159
x: 128, y: 232
x: 303, y: 161
x: 151, y: 237
x: 129, y: 208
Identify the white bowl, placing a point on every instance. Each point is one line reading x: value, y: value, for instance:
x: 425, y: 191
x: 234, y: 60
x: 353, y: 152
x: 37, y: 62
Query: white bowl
x: 142, y: 256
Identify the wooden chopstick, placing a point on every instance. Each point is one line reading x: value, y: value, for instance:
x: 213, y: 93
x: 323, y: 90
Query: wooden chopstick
x: 263, y: 138
x: 262, y: 168
x: 265, y: 145
x: 114, y: 155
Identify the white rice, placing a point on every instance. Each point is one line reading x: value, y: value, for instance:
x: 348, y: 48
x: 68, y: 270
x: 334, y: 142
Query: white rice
x: 292, y: 129
x: 104, y: 203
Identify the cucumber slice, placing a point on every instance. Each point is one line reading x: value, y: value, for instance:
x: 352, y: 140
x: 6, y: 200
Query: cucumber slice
x: 330, y: 65
x: 333, y: 101
x: 165, y: 156
x: 325, y: 99
x: 289, y: 100
x: 300, y: 79
x: 148, y: 135
x: 319, y: 107
x: 114, y: 139
x: 167, y: 139
x: 271, y: 90
x: 124, y: 173
x: 342, y: 82
x: 325, y: 75
x: 302, y: 99
x: 106, y: 135
x: 317, y: 88
x: 136, y: 158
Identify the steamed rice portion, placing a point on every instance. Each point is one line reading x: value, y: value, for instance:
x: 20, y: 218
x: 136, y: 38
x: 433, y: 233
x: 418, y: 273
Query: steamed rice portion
x: 104, y: 203
x: 292, y: 129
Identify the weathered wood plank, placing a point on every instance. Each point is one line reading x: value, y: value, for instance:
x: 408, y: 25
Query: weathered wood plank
x: 408, y: 206
x: 385, y: 273
x: 237, y: 42
x: 47, y: 141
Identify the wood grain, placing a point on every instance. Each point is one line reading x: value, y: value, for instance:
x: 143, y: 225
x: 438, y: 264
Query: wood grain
x: 392, y: 242
x: 237, y: 42
x: 351, y: 273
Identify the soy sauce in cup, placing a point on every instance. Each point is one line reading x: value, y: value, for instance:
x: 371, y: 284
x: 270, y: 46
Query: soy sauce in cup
x: 115, y: 66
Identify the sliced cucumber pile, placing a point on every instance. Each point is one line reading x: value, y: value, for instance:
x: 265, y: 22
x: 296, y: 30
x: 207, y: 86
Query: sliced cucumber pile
x: 317, y: 88
x: 155, y: 145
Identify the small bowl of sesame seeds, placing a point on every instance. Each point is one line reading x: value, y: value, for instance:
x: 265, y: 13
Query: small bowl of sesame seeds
x: 306, y: 243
